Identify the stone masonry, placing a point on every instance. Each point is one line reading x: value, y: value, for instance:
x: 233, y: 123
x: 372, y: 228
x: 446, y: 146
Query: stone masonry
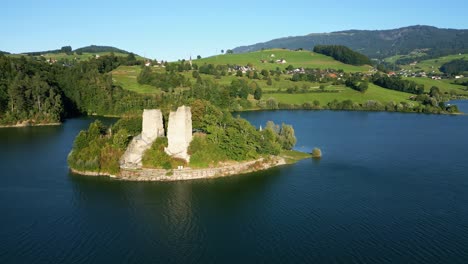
x: 152, y: 124
x: 179, y: 133
x: 152, y: 128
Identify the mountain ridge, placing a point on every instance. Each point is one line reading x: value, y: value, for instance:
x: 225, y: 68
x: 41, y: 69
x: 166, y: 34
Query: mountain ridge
x: 377, y: 43
x: 86, y: 49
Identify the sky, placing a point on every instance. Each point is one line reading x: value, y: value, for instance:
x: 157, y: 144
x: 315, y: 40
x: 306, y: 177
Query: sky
x: 172, y: 29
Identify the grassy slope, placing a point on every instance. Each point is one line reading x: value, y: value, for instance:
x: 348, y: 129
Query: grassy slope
x: 373, y: 93
x: 444, y: 85
x: 434, y: 64
x: 126, y: 77
x: 304, y: 59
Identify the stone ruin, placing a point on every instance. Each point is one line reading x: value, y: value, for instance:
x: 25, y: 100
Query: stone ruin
x: 152, y: 128
x: 179, y: 133
x: 179, y: 136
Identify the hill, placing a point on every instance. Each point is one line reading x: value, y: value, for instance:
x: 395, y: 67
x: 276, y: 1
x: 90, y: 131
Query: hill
x: 378, y: 43
x: 4, y: 52
x: 93, y: 49
x: 433, y: 65
x: 100, y: 49
x: 66, y: 54
x: 304, y: 58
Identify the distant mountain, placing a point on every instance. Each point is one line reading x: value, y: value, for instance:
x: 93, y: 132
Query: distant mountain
x: 97, y: 49
x: 88, y: 49
x: 378, y: 43
x: 4, y: 52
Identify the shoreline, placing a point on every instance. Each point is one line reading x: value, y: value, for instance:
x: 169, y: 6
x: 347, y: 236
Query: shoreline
x: 184, y: 174
x: 30, y: 125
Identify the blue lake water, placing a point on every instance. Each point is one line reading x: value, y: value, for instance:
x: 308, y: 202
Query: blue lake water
x: 390, y: 188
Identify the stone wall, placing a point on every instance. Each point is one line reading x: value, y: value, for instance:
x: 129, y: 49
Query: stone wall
x: 179, y: 133
x: 192, y: 174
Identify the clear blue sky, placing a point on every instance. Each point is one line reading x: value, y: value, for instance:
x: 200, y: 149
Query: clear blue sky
x: 174, y: 29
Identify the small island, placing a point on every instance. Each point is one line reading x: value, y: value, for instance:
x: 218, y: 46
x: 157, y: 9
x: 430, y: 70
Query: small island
x: 202, y: 141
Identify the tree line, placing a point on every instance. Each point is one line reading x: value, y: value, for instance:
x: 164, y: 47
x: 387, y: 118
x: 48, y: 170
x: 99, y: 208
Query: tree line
x: 455, y: 67
x: 343, y: 54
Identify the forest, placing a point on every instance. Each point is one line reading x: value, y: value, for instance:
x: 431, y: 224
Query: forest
x: 455, y: 67
x: 40, y: 92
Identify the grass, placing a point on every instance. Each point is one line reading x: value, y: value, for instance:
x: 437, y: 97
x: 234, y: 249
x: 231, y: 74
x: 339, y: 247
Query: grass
x: 293, y: 156
x: 374, y: 92
x: 126, y: 77
x: 282, y: 84
x: 444, y: 85
x: 433, y: 65
x: 298, y: 59
x: 413, y: 55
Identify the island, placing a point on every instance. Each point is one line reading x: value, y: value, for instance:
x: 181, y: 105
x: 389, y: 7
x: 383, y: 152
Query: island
x: 202, y: 141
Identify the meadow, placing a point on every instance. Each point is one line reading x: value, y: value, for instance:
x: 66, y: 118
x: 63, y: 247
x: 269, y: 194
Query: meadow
x: 126, y: 77
x: 444, y: 85
x: 301, y: 58
x: 374, y: 92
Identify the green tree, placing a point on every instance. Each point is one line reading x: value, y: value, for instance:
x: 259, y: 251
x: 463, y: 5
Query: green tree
x: 434, y: 92
x: 363, y: 86
x: 287, y: 137
x: 258, y: 93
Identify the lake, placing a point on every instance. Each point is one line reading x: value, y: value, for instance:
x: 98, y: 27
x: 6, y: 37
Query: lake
x: 390, y: 188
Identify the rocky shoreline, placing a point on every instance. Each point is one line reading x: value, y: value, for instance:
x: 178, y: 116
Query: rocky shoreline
x: 191, y: 173
x: 30, y: 124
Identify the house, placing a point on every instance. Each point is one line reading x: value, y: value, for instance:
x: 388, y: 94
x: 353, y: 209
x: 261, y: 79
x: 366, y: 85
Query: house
x: 281, y: 61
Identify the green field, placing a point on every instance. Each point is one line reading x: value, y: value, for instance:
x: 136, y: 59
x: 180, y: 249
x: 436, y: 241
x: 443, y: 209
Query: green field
x: 298, y: 59
x: 433, y: 65
x: 126, y: 77
x: 283, y: 84
x: 373, y: 93
x: 444, y: 85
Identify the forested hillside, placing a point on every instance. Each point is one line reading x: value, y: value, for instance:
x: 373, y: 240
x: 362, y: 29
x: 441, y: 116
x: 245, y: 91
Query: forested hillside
x: 98, y: 49
x: 343, y: 54
x: 43, y: 93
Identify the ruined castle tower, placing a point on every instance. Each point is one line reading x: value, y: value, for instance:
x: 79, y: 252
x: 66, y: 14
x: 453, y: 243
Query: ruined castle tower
x: 152, y: 128
x: 152, y: 124
x: 179, y: 133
